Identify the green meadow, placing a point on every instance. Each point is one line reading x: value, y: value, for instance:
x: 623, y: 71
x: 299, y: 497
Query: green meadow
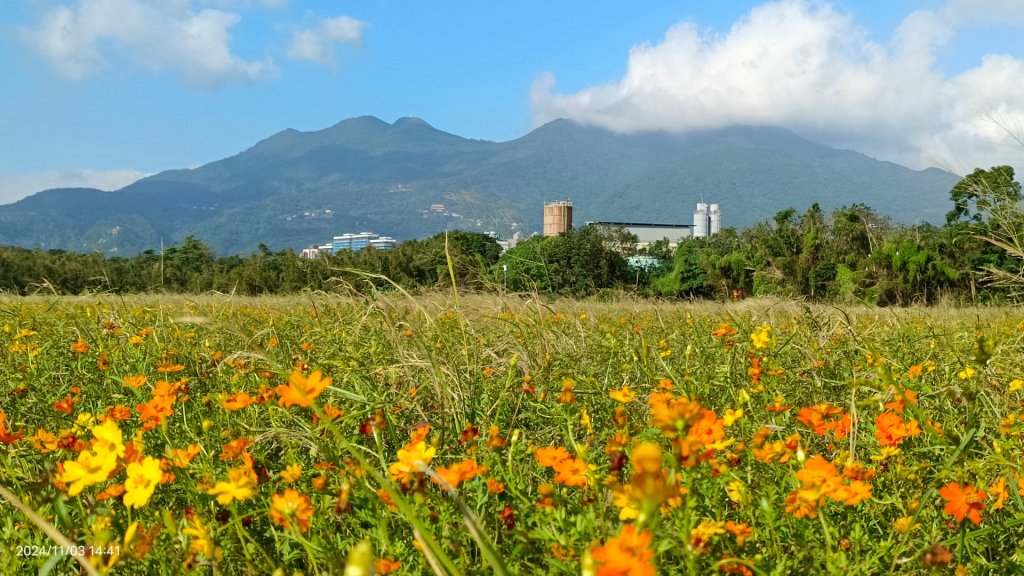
x: 387, y: 434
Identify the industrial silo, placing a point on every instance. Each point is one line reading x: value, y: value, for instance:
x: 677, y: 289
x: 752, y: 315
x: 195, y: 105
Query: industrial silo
x: 700, y: 221
x: 716, y: 220
x: 557, y: 217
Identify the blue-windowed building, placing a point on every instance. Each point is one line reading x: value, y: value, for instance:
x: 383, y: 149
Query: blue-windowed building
x: 349, y: 241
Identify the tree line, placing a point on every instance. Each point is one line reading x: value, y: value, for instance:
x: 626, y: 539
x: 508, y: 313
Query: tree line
x: 853, y: 253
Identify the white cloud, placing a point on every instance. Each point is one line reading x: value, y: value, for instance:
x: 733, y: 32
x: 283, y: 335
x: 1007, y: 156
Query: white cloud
x: 14, y: 188
x: 162, y: 34
x: 806, y: 66
x: 317, y: 43
x: 973, y: 11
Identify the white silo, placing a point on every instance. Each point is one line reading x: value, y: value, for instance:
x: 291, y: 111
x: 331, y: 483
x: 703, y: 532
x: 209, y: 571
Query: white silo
x: 700, y: 221
x: 716, y: 220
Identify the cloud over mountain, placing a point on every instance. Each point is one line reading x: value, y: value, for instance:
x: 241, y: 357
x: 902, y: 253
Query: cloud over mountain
x: 810, y: 67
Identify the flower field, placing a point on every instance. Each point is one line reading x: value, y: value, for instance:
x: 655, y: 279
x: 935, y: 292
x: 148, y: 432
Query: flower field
x: 508, y: 436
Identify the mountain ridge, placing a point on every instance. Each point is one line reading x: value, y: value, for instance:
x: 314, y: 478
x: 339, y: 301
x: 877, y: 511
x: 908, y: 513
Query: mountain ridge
x: 295, y: 188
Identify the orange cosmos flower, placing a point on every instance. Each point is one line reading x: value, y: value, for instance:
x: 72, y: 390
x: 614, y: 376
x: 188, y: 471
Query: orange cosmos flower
x: 103, y: 362
x: 182, y: 458
x: 890, y: 429
x: 709, y: 430
x: 573, y: 472
x: 238, y: 401
x: 119, y: 413
x: 567, y: 396
x: 627, y: 554
x: 166, y: 366
x: 302, y: 390
x: 963, y: 501
x: 66, y: 405
x: 755, y: 370
x: 386, y: 566
x: 112, y: 491
x: 9, y: 437
x: 901, y: 401
x: 152, y: 413
x: 333, y: 412
x: 724, y: 330
x: 134, y: 381
x: 824, y: 417
x: 42, y: 440
x: 852, y: 494
x: 818, y: 479
x: 460, y: 472
x: 671, y: 414
x: 550, y: 456
x: 740, y: 531
x: 495, y: 486
x: 778, y: 405
x: 80, y: 346
x: 569, y: 471
x: 289, y: 507
x: 494, y: 439
x: 235, y: 449
x: 164, y: 388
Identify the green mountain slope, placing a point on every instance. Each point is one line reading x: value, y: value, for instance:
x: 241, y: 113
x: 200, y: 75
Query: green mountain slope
x: 296, y: 188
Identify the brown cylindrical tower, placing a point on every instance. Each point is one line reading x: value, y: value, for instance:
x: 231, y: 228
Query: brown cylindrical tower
x: 557, y: 217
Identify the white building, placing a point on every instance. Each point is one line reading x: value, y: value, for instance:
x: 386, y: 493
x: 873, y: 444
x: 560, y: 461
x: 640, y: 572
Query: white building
x: 707, y: 220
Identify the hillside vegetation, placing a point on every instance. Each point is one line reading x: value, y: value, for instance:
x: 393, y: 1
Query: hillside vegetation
x: 853, y: 254
x: 295, y: 189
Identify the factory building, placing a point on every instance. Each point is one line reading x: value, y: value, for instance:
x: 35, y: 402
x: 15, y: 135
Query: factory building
x: 707, y: 220
x: 650, y: 233
x: 557, y: 217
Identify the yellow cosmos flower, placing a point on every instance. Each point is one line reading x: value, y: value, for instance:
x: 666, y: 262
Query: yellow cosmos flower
x: 407, y: 459
x: 98, y: 463
x: 202, y: 540
x: 291, y: 473
x: 142, y: 480
x: 736, y: 490
x: 762, y: 337
x: 90, y: 468
x: 732, y: 416
x: 623, y: 395
x: 240, y: 486
x: 904, y: 524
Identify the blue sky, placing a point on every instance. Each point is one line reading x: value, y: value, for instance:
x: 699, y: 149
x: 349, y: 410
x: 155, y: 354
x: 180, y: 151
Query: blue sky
x: 99, y: 92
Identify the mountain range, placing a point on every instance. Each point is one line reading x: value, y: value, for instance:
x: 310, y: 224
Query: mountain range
x: 409, y: 180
